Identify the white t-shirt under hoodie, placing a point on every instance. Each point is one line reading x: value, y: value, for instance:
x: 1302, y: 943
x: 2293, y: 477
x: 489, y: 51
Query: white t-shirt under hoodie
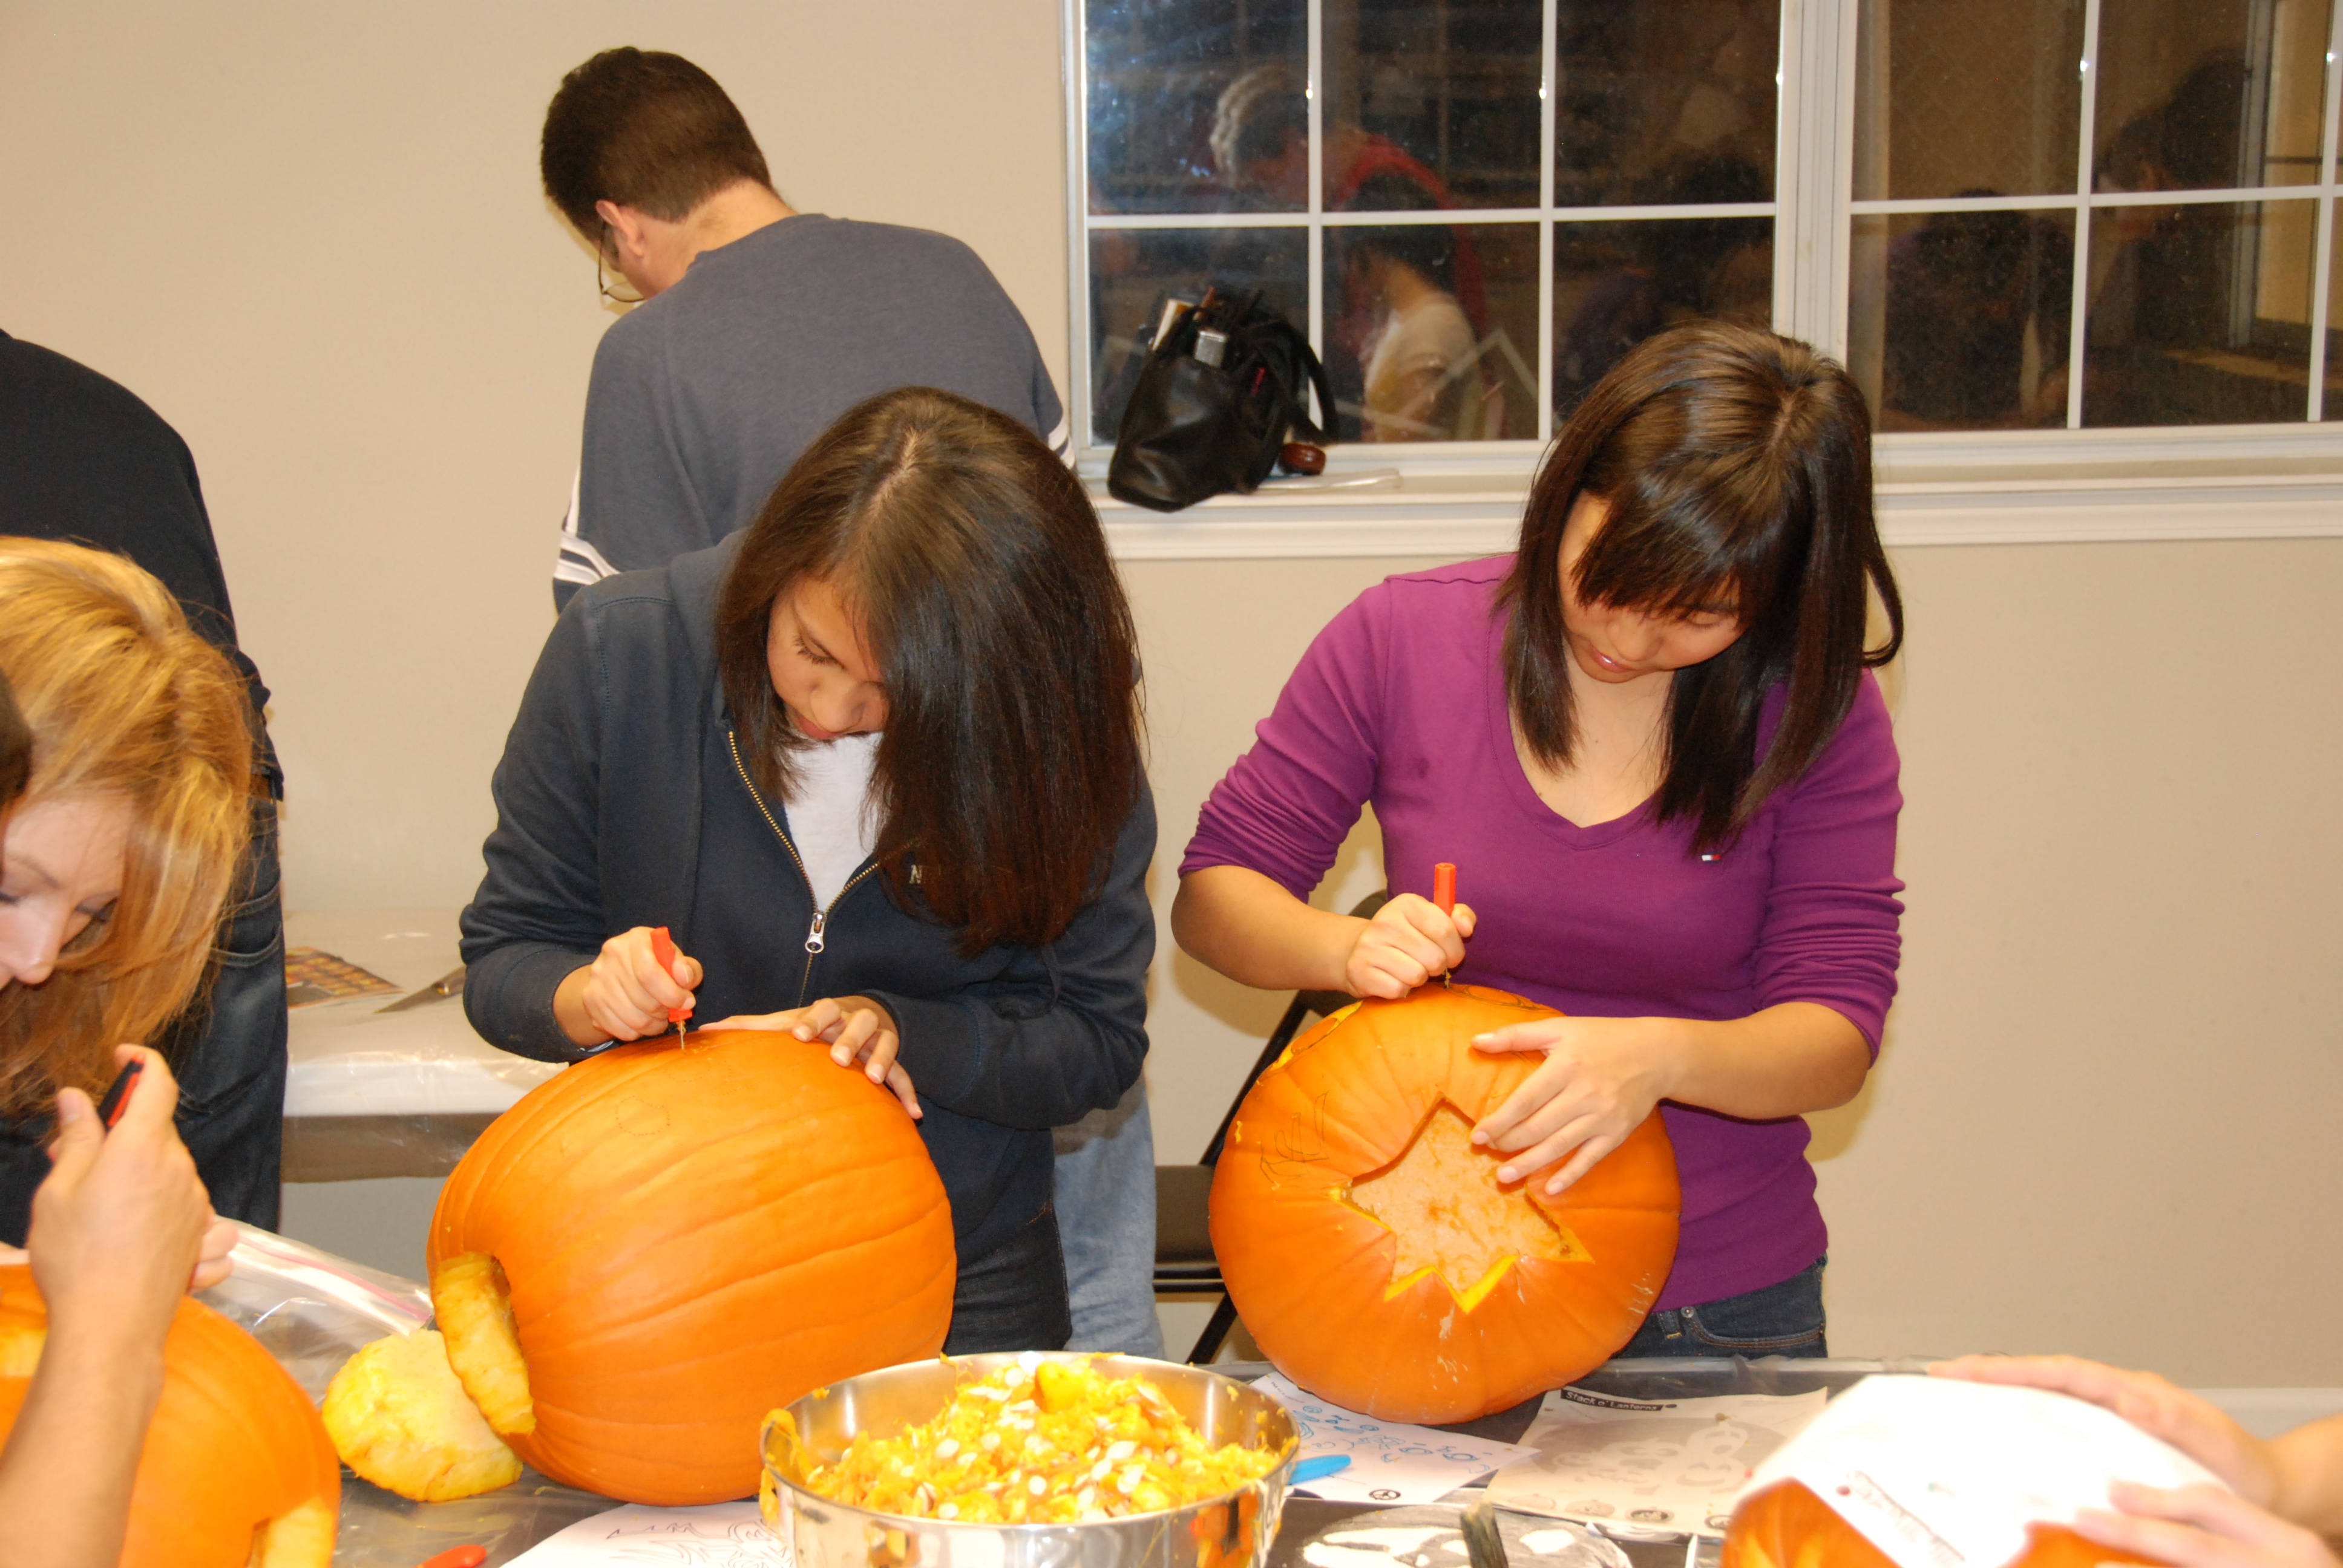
x: 830, y: 811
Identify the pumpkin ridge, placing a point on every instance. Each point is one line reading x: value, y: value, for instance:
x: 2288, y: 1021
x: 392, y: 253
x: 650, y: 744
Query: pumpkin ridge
x: 710, y: 1298
x: 756, y: 1221
x: 725, y: 1152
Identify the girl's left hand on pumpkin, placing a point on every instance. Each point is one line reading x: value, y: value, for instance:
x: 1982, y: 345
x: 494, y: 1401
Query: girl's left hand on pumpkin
x: 855, y: 1028
x: 1601, y: 1078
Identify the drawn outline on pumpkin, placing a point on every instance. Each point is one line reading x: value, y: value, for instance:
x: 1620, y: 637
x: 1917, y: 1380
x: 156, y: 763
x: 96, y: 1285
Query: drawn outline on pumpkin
x: 1289, y: 1151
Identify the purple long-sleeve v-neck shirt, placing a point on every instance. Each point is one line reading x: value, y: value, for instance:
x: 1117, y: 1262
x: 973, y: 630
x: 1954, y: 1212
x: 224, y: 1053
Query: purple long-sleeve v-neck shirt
x: 1401, y: 701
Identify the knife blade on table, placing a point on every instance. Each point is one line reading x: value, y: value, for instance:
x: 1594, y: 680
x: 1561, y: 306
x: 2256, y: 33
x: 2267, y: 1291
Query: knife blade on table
x: 446, y: 985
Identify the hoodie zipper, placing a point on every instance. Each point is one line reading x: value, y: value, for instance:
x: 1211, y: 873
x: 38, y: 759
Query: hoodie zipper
x: 814, y: 940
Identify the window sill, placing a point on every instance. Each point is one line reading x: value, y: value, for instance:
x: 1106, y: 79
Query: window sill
x: 2047, y: 486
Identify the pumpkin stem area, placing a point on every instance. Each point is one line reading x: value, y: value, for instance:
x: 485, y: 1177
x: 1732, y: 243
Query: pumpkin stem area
x: 473, y: 1303
x: 1441, y: 1201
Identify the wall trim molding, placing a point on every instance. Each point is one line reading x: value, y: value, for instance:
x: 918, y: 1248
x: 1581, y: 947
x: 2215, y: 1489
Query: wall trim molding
x: 1454, y: 524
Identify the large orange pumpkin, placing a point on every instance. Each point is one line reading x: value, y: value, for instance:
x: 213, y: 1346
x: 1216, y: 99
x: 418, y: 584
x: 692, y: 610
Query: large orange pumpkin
x: 236, y: 1469
x: 654, y: 1247
x: 1367, y: 1245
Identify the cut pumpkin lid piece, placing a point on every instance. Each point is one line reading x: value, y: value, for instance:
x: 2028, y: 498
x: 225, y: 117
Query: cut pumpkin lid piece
x: 1451, y: 1218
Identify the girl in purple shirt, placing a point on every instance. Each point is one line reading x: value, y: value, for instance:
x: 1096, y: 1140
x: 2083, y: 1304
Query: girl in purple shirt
x: 1649, y: 741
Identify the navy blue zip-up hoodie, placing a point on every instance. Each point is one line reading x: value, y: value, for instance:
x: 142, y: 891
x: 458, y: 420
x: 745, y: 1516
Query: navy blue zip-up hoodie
x: 620, y: 803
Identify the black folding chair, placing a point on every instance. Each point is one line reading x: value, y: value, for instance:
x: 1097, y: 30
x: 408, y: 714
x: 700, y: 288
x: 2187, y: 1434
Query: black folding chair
x: 1184, y: 1264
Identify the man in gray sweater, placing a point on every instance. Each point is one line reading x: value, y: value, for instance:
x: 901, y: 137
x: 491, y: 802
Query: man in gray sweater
x: 759, y: 326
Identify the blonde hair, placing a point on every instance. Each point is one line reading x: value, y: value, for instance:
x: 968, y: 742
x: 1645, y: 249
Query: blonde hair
x: 123, y: 699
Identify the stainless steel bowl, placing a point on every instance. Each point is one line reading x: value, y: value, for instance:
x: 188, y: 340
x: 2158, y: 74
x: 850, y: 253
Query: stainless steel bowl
x: 1231, y: 1531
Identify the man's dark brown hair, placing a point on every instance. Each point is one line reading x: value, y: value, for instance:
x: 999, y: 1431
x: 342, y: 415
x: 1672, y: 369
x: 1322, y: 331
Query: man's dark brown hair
x: 646, y: 130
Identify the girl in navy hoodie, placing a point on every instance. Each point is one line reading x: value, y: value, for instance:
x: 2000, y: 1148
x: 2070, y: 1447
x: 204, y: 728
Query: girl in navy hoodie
x: 876, y: 761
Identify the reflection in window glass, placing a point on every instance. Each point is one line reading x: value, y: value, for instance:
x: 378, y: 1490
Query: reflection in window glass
x: 2332, y: 407
x: 2203, y: 94
x: 1664, y: 101
x: 1175, y: 104
x: 1960, y: 320
x: 1133, y: 271
x: 1414, y: 355
x: 1967, y: 98
x: 1444, y: 91
x: 2199, y: 313
x: 1616, y: 283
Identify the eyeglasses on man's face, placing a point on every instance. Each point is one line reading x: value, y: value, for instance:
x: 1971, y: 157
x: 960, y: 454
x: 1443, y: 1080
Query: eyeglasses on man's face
x: 620, y: 293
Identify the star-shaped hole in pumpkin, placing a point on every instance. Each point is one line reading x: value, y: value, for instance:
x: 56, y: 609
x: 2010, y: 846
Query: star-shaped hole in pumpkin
x: 1442, y: 1201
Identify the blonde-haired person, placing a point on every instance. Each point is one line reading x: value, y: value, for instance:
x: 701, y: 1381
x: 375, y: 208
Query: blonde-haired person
x: 120, y: 1228
x: 124, y: 850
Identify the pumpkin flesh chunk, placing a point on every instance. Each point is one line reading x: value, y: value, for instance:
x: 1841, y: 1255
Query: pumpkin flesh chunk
x: 303, y: 1538
x: 20, y: 1349
x: 1441, y: 1201
x: 473, y: 1304
x: 399, y: 1418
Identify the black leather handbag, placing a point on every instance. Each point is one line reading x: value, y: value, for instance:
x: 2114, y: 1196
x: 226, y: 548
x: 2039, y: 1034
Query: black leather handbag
x: 1224, y: 387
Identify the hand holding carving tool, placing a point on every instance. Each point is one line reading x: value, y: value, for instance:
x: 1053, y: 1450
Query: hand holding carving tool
x: 663, y: 950
x: 117, y: 1093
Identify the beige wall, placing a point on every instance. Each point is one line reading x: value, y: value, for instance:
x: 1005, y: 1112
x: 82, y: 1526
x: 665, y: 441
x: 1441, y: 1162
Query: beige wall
x: 310, y: 236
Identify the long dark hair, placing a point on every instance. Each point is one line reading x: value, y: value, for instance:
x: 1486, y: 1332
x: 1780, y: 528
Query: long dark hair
x: 1736, y: 467
x: 1011, y: 757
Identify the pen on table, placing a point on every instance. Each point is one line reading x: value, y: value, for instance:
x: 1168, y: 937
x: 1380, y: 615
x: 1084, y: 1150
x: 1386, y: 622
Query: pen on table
x: 457, y: 1557
x: 117, y: 1093
x: 1444, y: 894
x: 663, y: 950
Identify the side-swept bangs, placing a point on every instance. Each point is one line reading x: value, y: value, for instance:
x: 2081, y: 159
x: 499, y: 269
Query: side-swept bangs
x: 1735, y: 467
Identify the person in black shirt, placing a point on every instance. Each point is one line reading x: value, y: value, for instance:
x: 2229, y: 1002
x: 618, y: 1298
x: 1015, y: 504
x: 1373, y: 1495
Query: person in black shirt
x: 82, y: 459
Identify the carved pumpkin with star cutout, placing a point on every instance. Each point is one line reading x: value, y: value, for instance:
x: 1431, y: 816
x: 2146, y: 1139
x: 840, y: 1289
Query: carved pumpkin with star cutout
x: 1373, y: 1254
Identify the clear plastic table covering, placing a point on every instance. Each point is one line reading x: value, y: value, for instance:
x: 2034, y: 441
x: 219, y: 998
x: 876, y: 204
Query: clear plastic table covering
x: 312, y: 1311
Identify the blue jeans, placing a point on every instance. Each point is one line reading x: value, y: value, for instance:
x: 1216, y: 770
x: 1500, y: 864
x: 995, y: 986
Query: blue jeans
x: 229, y: 1048
x: 1015, y: 1297
x: 1106, y: 1215
x: 1783, y: 1320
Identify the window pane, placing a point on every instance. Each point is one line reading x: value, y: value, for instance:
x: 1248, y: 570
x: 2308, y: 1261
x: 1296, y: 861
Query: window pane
x: 2202, y: 95
x: 1967, y: 98
x: 1179, y: 87
x: 2199, y: 314
x: 1616, y: 283
x: 1664, y: 101
x: 1432, y: 331
x: 1960, y: 321
x: 1133, y: 271
x: 1439, y: 97
x: 2332, y: 408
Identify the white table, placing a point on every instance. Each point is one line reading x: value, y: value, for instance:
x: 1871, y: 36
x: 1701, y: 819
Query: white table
x: 373, y: 1093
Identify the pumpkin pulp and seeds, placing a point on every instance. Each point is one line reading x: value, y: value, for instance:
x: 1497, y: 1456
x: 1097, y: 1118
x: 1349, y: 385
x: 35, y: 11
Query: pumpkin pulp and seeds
x: 1040, y: 1442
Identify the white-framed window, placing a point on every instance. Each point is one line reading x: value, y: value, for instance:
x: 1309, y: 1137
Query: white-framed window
x: 1474, y: 206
